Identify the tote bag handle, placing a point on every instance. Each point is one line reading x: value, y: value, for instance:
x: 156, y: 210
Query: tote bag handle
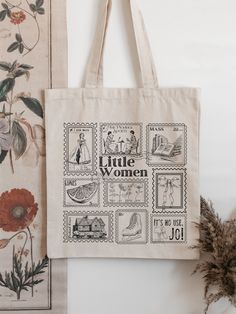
x: 94, y: 72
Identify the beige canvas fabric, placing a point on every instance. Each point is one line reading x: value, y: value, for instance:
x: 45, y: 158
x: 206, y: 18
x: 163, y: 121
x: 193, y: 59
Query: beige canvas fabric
x: 122, y: 164
x: 30, y: 61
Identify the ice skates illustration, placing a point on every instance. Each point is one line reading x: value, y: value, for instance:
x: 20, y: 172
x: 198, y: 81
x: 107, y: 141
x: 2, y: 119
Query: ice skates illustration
x: 134, y: 229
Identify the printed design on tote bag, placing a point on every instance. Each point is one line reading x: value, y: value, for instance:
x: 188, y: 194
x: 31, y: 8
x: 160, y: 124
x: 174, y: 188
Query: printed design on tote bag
x: 166, y: 144
x: 169, y: 190
x: 131, y: 226
x: 19, y: 137
x: 23, y: 277
x: 120, y: 192
x: 88, y: 226
x: 81, y: 192
x: 25, y: 13
x: 80, y: 153
x: 121, y: 139
x: 168, y: 229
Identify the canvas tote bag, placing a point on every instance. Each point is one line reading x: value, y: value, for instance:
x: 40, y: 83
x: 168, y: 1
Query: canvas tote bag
x: 122, y: 164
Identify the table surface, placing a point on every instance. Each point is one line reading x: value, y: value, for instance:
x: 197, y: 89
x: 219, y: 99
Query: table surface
x: 194, y: 44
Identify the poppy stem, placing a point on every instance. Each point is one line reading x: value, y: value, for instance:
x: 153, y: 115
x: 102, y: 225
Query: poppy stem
x: 26, y: 239
x: 13, y: 256
x: 32, y: 261
x: 11, y: 162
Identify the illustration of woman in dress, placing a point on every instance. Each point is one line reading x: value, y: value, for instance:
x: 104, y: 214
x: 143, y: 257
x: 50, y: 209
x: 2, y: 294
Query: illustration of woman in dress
x: 80, y: 155
x: 110, y: 145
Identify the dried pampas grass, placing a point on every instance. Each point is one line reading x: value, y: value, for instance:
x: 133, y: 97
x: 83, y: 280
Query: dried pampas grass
x: 218, y: 244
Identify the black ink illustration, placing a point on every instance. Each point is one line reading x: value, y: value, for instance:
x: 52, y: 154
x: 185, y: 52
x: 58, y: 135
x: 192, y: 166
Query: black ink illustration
x: 159, y: 231
x: 134, y: 229
x: 169, y: 190
x: 125, y: 192
x: 80, y: 148
x: 166, y: 144
x: 131, y: 226
x: 81, y: 192
x: 80, y: 154
x: 168, y: 229
x: 121, y: 138
x: 88, y: 226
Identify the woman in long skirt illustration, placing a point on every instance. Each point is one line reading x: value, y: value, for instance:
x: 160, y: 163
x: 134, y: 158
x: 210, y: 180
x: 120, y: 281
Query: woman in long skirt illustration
x: 80, y: 155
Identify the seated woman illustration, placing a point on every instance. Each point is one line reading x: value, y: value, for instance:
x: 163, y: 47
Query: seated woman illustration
x: 80, y: 154
x: 132, y: 144
x: 110, y: 145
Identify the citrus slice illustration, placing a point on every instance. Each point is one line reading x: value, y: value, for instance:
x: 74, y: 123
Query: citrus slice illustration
x: 83, y: 193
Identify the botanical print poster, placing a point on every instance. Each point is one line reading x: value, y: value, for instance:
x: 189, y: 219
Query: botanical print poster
x: 29, y: 63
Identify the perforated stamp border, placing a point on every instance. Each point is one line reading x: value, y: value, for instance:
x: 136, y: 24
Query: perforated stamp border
x: 166, y: 216
x: 68, y: 172
x: 168, y: 210
x: 122, y: 123
x: 131, y: 204
x: 77, y: 204
x: 156, y: 164
x: 117, y: 225
x: 67, y: 214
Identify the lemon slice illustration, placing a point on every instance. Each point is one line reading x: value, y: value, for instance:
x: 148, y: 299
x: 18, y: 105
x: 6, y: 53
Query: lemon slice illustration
x: 83, y: 193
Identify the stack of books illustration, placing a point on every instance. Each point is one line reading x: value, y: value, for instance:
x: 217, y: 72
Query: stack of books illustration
x: 163, y: 148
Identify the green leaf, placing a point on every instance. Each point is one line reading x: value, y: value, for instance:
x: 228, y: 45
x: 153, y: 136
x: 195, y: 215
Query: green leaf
x: 5, y: 6
x: 6, y: 86
x: 33, y: 7
x: 9, y: 13
x: 18, y: 37
x: 36, y: 282
x: 15, y: 281
x: 8, y: 281
x: 3, y: 99
x: 3, y: 155
x: 3, y: 15
x: 13, y: 66
x: 13, y: 46
x: 39, y: 3
x: 19, y: 144
x: 26, y: 66
x: 21, y: 48
x: 5, y: 66
x: 34, y: 105
x: 20, y: 72
x: 41, y: 11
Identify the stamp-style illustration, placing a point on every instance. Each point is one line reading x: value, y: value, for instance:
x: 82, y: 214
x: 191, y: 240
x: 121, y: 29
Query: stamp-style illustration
x: 80, y: 148
x: 171, y: 229
x: 81, y: 192
x: 131, y: 226
x: 118, y: 192
x: 121, y: 139
x: 169, y: 190
x: 88, y: 226
x: 166, y: 144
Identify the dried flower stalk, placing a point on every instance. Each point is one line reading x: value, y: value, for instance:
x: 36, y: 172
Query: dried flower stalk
x: 218, y: 242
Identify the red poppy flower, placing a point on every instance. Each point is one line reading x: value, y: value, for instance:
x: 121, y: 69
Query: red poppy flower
x: 17, y: 17
x: 17, y: 210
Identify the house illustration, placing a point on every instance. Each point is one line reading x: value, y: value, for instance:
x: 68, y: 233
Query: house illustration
x: 87, y: 228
